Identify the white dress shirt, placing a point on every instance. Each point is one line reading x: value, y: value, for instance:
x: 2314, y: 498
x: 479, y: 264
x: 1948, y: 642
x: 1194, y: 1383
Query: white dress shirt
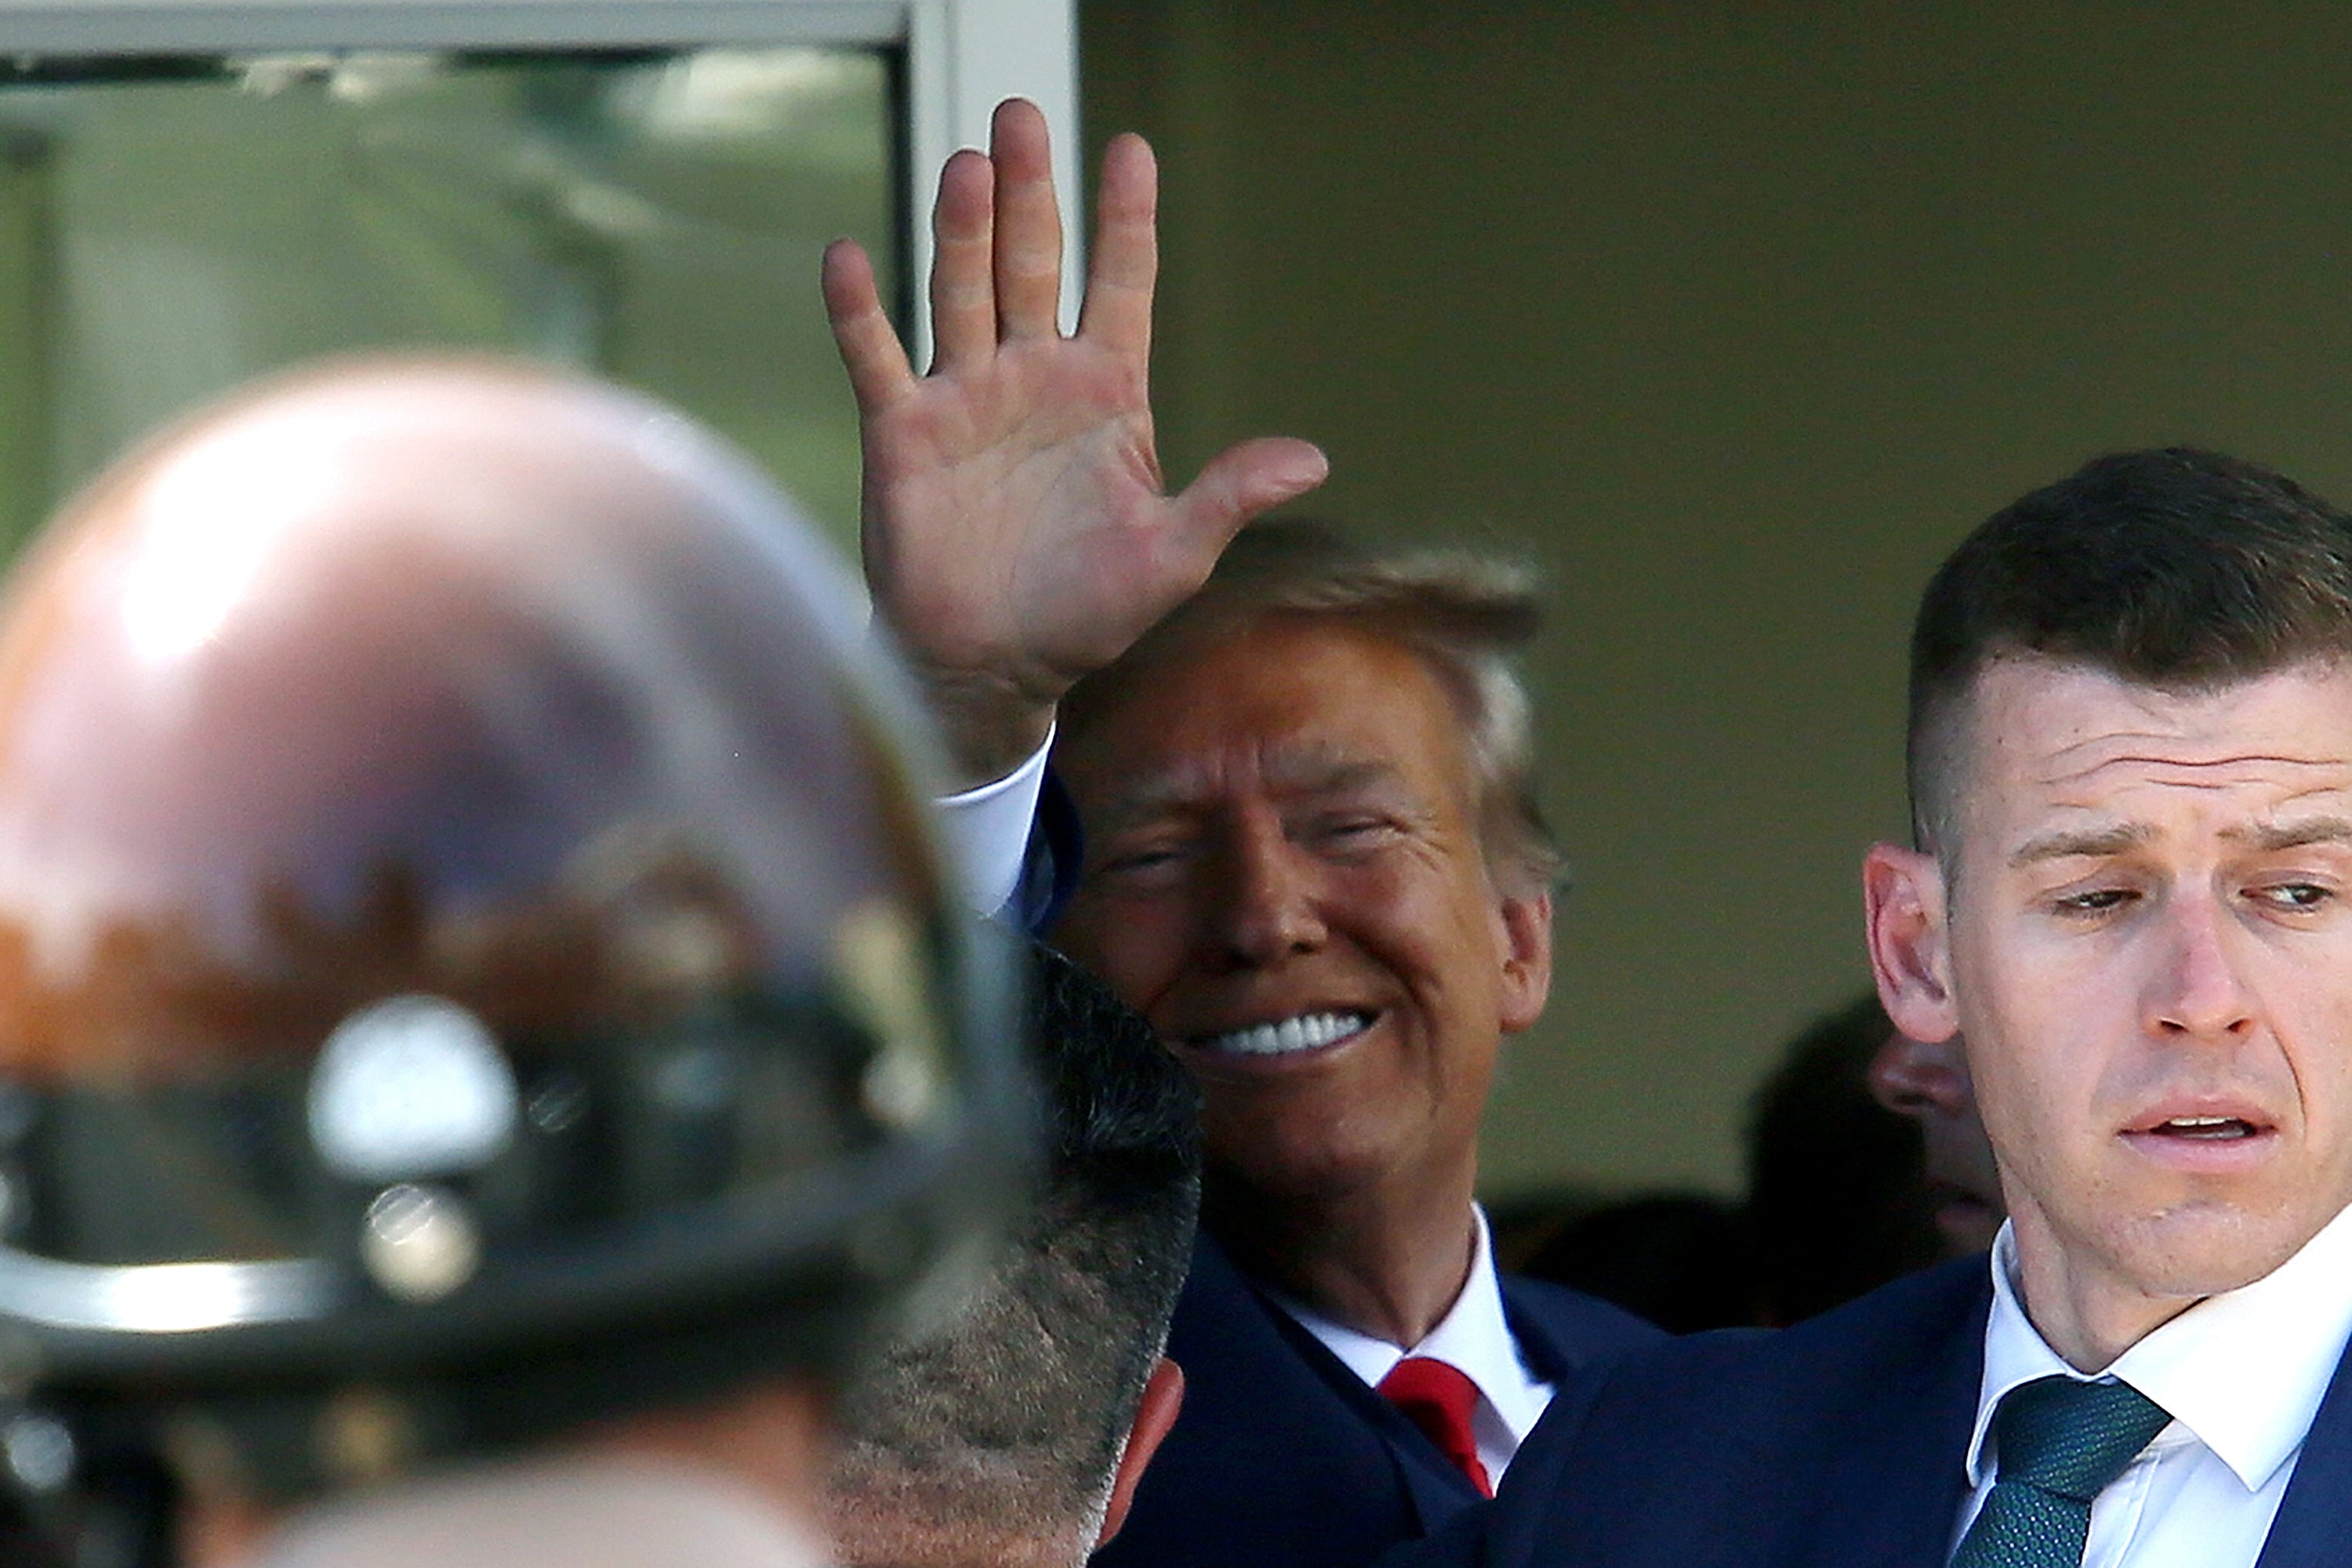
x: 987, y: 830
x: 1474, y: 1338
x: 2241, y: 1374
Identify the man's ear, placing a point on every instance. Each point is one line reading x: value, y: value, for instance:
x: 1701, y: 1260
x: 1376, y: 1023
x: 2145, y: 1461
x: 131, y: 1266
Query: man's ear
x: 1904, y: 914
x: 1163, y: 1396
x: 1526, y: 957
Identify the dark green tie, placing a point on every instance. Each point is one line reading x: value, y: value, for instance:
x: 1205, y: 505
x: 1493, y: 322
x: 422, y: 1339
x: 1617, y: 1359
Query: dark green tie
x: 2058, y: 1443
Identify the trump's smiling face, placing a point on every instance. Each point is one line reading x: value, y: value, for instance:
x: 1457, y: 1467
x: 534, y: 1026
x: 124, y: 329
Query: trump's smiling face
x: 1285, y: 873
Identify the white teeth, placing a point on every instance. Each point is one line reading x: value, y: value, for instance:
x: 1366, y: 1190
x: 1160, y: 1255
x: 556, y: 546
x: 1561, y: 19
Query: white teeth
x: 1304, y: 1033
x: 2211, y: 1126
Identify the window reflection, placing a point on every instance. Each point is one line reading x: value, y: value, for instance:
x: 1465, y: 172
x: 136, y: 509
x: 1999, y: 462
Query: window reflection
x: 168, y: 230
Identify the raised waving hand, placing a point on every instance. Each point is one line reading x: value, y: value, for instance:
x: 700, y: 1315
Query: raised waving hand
x: 1017, y: 533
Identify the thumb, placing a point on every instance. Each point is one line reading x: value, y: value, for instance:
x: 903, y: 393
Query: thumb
x: 1244, y: 481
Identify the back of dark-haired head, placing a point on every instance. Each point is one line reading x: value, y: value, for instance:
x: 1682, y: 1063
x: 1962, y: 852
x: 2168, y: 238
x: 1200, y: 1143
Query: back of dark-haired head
x: 992, y: 1438
x: 2176, y: 568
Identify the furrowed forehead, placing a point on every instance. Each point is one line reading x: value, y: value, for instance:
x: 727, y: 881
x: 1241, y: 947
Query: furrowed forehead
x: 2068, y: 735
x: 1953, y: 733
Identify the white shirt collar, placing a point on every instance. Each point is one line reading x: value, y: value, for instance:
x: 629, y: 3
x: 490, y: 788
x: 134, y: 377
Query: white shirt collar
x: 1473, y: 1337
x: 2243, y: 1370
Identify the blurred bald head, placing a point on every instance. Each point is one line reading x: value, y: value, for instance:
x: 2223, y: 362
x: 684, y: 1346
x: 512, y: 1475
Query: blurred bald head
x: 362, y: 654
x: 471, y: 467
x: 461, y: 883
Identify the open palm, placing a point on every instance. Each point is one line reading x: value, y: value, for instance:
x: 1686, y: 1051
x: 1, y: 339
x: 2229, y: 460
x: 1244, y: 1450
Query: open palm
x: 1017, y: 534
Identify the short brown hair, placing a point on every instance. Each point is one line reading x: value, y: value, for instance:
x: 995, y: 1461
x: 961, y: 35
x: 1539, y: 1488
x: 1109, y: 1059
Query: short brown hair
x: 2177, y: 569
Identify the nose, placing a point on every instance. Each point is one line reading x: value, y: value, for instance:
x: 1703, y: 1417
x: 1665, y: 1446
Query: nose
x: 2197, y: 990
x: 1269, y: 904
x: 1921, y: 1077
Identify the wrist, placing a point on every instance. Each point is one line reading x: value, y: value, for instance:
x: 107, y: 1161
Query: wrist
x: 989, y: 725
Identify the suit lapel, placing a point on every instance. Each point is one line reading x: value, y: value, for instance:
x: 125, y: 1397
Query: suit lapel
x: 1438, y: 1491
x: 1269, y: 1465
x: 1891, y: 1491
x: 2311, y: 1529
x: 1544, y: 1355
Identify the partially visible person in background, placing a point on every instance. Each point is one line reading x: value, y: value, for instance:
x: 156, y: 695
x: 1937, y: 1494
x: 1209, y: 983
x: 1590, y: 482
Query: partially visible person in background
x: 486, y: 1038
x: 1838, y: 1202
x: 1927, y: 1081
x: 1012, y: 1435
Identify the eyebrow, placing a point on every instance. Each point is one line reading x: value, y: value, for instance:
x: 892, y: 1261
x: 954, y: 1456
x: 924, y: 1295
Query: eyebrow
x: 2086, y: 841
x: 2266, y: 836
x: 1317, y: 772
x: 1327, y: 773
x: 2261, y: 838
x: 1140, y: 804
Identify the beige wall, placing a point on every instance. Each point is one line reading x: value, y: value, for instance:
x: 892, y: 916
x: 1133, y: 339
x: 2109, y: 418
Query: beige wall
x: 1735, y: 316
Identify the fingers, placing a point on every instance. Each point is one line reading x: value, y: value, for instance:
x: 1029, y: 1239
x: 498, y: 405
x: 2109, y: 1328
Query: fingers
x: 1028, y: 223
x: 963, y: 290
x: 1126, y: 261
x: 1244, y: 481
x: 877, y: 361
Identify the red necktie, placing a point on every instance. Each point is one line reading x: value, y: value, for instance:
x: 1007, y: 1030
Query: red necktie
x: 1438, y: 1398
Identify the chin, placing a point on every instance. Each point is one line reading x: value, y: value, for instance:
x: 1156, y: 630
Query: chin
x: 2207, y: 1249
x: 1297, y: 1176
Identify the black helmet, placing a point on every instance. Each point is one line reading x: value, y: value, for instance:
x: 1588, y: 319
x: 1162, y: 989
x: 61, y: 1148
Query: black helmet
x: 473, y: 953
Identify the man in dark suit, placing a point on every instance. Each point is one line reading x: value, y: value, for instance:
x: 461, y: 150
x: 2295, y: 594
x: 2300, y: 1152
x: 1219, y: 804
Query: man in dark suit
x: 1311, y: 861
x: 2131, y: 774
x: 1285, y: 1455
x: 1334, y: 913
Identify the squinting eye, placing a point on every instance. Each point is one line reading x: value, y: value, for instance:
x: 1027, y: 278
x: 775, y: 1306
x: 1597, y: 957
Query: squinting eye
x: 1352, y: 832
x: 2293, y: 895
x: 1154, y: 864
x: 2097, y: 900
x: 1141, y: 857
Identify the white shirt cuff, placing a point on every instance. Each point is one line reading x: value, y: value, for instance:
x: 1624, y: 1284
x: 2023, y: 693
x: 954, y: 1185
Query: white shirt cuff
x: 988, y: 830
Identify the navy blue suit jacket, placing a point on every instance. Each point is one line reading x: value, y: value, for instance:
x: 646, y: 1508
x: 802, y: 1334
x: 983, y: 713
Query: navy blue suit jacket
x: 1281, y: 1457
x: 1836, y: 1443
